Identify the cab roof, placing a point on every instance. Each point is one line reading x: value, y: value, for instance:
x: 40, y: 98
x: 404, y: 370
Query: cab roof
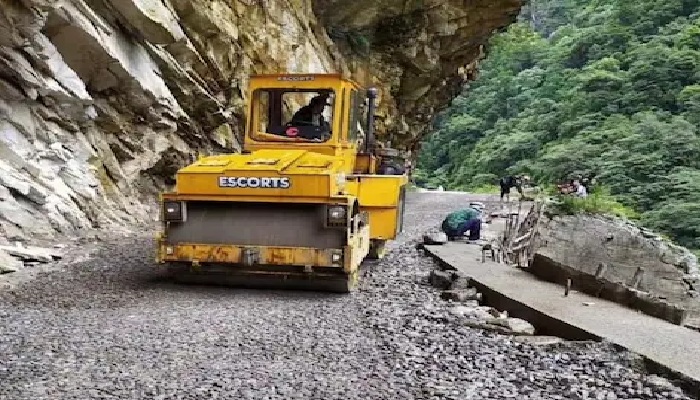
x: 338, y: 76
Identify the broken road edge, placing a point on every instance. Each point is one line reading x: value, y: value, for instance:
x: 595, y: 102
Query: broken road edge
x: 546, y: 324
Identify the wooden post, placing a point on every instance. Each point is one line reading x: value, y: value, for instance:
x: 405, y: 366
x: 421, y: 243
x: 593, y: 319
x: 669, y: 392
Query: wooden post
x: 637, y: 279
x: 531, y: 246
x: 601, y: 270
x: 602, y: 267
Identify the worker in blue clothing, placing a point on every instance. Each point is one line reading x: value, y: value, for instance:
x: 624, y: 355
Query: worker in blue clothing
x: 459, y: 222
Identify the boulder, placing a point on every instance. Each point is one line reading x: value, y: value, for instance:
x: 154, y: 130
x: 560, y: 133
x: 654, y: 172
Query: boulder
x: 460, y: 281
x: 616, y: 260
x: 440, y: 279
x: 435, y: 238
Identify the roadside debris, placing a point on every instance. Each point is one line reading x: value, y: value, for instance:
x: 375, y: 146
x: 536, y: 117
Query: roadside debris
x: 538, y: 340
x: 468, y: 311
x: 461, y: 295
x: 8, y: 263
x: 13, y: 258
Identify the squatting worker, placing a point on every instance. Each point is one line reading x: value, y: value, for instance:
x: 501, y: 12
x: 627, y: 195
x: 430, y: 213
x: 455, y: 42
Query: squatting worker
x: 459, y: 222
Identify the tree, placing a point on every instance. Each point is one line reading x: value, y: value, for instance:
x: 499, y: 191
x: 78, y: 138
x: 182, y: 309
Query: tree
x: 608, y: 87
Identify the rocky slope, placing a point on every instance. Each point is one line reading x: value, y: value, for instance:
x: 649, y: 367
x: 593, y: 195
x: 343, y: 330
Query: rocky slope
x: 102, y: 100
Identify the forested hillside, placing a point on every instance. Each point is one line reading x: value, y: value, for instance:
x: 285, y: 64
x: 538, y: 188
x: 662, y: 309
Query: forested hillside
x: 609, y: 87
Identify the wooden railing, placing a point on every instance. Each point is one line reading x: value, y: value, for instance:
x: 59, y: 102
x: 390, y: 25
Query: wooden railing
x: 516, y: 244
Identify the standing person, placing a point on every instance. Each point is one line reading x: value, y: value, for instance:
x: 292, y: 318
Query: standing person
x: 580, y: 189
x: 508, y: 182
x: 588, y: 182
x: 459, y: 222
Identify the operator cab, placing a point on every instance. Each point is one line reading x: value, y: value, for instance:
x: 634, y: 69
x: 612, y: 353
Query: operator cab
x: 297, y: 114
x: 322, y: 111
x: 325, y: 112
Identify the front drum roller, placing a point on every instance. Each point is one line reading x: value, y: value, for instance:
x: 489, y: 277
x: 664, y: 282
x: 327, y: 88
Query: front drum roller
x: 227, y: 276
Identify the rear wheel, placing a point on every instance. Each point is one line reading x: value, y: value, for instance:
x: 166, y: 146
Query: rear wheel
x: 377, y: 249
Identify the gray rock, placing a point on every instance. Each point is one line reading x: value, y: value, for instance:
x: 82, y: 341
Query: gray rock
x: 538, y: 340
x: 460, y: 281
x: 440, y: 279
x: 8, y: 263
x: 482, y: 313
x: 461, y: 295
x: 159, y: 25
x: 515, y: 325
x: 435, y: 238
x: 24, y: 187
x: 486, y: 325
x: 31, y: 253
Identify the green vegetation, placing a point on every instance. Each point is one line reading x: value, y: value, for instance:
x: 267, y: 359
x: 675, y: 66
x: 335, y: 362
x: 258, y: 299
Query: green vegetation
x: 598, y: 202
x: 603, y: 87
x: 486, y: 189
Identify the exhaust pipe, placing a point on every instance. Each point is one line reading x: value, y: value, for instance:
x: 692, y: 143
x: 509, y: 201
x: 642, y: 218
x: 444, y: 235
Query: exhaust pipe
x: 372, y: 96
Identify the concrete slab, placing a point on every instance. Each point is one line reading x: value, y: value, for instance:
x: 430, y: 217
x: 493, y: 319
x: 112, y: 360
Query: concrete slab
x: 670, y: 348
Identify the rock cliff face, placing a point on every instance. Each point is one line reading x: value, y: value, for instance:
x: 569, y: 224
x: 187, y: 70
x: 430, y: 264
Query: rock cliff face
x: 422, y: 52
x: 101, y: 101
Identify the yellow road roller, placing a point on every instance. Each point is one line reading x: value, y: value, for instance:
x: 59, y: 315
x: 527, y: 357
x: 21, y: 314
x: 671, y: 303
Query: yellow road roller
x: 307, y: 200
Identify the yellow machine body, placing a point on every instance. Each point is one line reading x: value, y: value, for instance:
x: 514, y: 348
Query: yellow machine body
x: 289, y: 210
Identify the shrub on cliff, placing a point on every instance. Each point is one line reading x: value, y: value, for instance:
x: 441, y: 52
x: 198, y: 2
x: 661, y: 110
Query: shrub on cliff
x: 599, y: 201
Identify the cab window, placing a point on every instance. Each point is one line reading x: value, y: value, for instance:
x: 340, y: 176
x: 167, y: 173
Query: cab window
x: 357, y: 118
x: 283, y: 115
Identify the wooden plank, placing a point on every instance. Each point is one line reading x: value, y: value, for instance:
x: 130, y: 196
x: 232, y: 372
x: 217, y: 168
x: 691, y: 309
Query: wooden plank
x: 523, y: 237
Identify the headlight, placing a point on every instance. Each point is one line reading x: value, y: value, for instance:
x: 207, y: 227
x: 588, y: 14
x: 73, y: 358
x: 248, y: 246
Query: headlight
x: 336, y: 213
x: 336, y: 216
x: 174, y: 211
x: 337, y: 257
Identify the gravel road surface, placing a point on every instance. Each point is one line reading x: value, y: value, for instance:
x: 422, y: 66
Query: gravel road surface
x: 109, y: 328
